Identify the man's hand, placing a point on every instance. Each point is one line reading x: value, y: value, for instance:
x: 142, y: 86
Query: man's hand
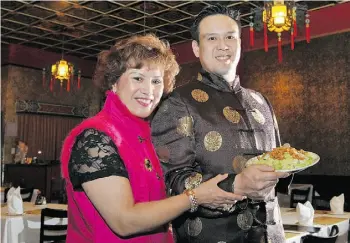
x: 257, y: 181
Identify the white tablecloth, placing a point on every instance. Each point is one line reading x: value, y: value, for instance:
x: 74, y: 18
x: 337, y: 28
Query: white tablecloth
x: 26, y: 228
x: 289, y: 217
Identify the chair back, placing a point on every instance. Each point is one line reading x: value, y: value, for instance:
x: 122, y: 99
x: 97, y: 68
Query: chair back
x: 49, y: 231
x: 332, y: 238
x: 26, y: 194
x: 299, y: 196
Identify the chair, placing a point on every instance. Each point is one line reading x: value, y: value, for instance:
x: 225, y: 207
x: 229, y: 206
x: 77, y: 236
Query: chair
x: 49, y: 232
x: 332, y: 238
x: 299, y: 196
x: 26, y: 194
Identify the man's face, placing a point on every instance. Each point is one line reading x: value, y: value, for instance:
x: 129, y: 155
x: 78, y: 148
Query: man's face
x: 219, y: 47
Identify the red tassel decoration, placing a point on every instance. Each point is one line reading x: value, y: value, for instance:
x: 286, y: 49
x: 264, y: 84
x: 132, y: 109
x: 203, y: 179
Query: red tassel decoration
x: 295, y: 28
x: 79, y: 74
x: 279, y: 48
x: 307, y: 28
x: 44, y: 77
x: 51, y: 84
x: 292, y: 40
x: 251, y: 31
x: 68, y: 85
x: 266, y: 46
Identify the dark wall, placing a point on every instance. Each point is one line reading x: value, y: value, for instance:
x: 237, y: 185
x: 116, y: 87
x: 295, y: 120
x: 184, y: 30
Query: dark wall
x: 310, y: 92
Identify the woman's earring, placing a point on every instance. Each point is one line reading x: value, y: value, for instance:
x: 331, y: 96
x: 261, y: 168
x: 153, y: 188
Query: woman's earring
x: 114, y: 89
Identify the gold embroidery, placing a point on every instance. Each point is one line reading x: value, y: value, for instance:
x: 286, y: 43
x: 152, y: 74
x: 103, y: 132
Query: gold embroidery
x: 185, y: 125
x: 245, y: 220
x: 193, y: 182
x: 199, y: 77
x: 212, y: 141
x: 257, y: 98
x: 199, y: 95
x: 148, y: 165
x: 231, y: 115
x: 194, y: 227
x: 258, y: 116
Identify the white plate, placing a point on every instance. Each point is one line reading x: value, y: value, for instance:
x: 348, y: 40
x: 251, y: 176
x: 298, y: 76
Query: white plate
x: 296, y: 170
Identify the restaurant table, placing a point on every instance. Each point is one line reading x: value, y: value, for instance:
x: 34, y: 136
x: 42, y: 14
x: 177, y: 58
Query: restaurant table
x: 322, y: 219
x: 26, y: 228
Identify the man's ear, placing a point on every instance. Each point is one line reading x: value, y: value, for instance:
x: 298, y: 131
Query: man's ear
x: 195, y: 48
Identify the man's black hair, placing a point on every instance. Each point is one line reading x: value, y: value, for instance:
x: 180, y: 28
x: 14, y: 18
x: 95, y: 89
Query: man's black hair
x: 213, y: 10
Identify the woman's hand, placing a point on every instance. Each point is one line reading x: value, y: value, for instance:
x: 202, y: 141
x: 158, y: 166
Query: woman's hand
x: 209, y: 195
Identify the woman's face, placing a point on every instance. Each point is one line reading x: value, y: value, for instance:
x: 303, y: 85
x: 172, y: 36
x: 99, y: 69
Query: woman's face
x: 140, y: 89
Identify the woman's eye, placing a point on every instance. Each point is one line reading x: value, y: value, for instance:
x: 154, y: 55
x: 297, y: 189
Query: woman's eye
x: 138, y: 79
x: 211, y: 38
x: 157, y: 81
x: 230, y: 37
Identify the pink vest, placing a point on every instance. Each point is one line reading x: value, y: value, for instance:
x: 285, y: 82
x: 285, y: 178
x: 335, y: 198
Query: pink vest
x: 132, y: 136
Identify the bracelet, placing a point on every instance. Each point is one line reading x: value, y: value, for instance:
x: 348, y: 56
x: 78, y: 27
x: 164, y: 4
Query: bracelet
x: 193, y: 200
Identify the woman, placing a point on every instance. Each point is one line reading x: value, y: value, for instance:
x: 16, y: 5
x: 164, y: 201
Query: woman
x: 115, y: 186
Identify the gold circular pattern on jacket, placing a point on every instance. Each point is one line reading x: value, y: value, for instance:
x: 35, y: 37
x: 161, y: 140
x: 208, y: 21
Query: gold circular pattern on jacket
x: 212, y: 141
x: 185, y: 126
x: 200, y: 95
x: 231, y: 114
x: 148, y: 165
x: 258, y: 116
x: 194, y: 227
x: 199, y: 77
x: 245, y: 220
x: 257, y: 98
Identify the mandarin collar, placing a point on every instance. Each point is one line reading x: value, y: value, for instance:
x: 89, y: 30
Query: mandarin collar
x: 217, y: 82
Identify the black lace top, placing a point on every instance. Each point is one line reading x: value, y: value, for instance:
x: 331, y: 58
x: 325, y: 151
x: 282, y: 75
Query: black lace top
x: 94, y: 155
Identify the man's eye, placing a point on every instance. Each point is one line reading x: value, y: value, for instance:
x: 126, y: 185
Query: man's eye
x: 211, y: 38
x: 231, y: 37
x: 138, y: 79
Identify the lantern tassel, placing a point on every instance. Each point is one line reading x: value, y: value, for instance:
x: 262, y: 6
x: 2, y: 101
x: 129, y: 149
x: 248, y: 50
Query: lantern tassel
x: 68, y: 85
x: 307, y: 32
x: 51, y: 84
x: 251, y: 36
x: 265, y: 38
x: 279, y: 48
x: 44, y: 77
x: 295, y: 28
x: 292, y: 40
x: 79, y: 74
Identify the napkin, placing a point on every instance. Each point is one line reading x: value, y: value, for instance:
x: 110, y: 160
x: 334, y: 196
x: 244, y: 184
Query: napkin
x: 14, y: 201
x: 305, y: 214
x: 337, y: 204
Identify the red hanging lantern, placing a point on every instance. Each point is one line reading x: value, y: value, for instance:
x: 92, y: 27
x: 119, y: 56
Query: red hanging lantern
x: 280, y: 16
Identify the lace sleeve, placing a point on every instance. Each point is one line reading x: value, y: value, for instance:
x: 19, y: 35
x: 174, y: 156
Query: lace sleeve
x: 94, y: 155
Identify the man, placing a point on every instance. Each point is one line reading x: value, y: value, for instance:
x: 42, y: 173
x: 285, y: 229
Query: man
x: 205, y: 127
